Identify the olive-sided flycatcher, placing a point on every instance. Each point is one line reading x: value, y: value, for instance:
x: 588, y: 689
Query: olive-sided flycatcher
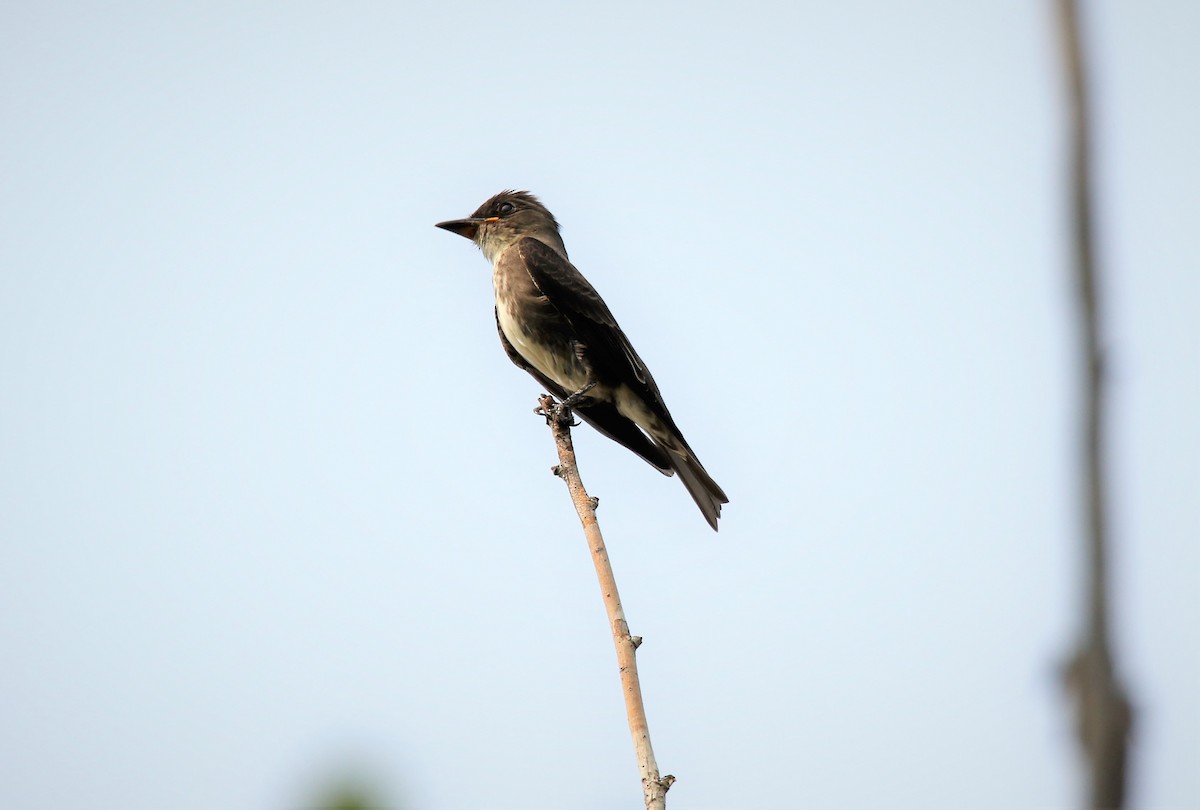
x: 554, y: 325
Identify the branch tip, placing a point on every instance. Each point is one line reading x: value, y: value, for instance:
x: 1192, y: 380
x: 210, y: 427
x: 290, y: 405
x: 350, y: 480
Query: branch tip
x: 555, y: 412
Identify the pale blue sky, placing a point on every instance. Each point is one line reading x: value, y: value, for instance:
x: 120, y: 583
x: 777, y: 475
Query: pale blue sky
x: 274, y: 505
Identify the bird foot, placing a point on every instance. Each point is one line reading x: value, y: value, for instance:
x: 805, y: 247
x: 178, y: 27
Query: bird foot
x: 578, y: 397
x: 555, y: 411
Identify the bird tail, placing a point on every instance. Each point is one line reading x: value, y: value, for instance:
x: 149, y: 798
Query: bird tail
x: 700, y: 485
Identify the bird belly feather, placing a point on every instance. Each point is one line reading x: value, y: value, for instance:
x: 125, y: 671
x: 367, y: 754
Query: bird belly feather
x: 555, y: 359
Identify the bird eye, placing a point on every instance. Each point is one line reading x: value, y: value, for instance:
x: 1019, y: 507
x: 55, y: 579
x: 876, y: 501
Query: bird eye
x: 505, y: 209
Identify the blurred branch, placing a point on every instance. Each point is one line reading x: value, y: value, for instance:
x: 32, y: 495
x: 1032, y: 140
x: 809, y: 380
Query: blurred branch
x: 1103, y: 713
x: 654, y: 789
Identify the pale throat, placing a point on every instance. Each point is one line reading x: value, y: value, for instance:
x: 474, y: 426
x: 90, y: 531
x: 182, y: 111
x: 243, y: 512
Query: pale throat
x: 495, y: 241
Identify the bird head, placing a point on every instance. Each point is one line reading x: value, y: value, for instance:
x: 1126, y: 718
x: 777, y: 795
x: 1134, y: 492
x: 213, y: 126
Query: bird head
x: 505, y: 218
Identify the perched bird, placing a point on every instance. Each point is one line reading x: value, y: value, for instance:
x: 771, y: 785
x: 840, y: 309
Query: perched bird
x: 554, y: 325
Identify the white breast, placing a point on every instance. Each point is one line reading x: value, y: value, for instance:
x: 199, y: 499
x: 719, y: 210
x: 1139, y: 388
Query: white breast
x: 567, y: 372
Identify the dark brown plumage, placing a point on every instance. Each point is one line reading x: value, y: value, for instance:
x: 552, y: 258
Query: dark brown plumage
x: 554, y: 324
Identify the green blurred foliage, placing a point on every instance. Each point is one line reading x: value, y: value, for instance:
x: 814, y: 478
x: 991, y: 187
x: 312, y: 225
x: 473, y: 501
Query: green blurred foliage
x: 350, y: 796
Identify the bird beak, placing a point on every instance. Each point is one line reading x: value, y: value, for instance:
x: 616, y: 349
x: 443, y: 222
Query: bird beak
x: 463, y: 227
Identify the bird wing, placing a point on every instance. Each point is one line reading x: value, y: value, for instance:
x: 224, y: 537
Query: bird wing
x: 577, y: 300
x: 614, y: 360
x: 601, y: 415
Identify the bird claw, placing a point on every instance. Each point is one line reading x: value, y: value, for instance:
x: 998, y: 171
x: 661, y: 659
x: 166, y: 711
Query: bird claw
x: 558, y: 412
x: 563, y: 414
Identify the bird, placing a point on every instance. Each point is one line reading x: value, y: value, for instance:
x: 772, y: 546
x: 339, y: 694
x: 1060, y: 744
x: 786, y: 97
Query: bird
x: 554, y: 325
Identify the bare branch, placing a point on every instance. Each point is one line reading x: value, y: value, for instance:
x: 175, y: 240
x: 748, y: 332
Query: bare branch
x: 654, y: 788
x: 1103, y: 713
